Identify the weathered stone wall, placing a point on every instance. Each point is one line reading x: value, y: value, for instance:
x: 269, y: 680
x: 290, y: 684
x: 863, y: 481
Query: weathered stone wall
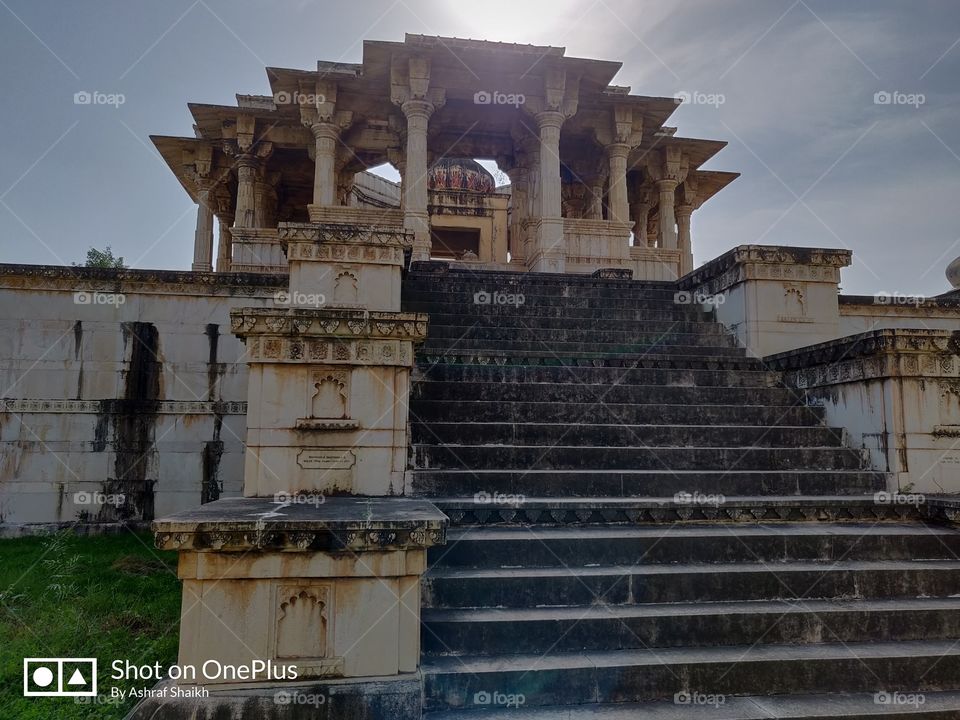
x: 120, y: 383
x: 863, y: 313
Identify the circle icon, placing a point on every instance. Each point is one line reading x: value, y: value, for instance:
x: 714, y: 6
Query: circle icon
x: 42, y: 676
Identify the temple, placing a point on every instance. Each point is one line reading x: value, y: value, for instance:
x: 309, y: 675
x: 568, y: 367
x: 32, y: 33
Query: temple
x: 452, y: 447
x: 597, y: 179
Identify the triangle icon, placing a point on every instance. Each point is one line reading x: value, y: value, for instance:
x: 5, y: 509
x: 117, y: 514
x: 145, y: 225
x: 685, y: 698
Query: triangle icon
x: 76, y: 679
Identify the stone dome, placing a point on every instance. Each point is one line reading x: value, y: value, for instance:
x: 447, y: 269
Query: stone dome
x: 458, y: 174
x: 953, y: 274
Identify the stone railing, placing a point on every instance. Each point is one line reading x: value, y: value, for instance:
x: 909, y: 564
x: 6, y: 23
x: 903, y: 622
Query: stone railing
x: 359, y: 216
x: 257, y: 250
x: 897, y: 393
x: 594, y: 244
x: 652, y: 263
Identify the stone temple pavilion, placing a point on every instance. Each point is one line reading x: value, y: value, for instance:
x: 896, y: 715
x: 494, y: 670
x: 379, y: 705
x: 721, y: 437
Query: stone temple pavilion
x: 597, y: 177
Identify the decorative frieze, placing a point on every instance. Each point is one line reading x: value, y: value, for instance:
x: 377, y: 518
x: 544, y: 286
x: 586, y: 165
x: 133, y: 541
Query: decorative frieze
x: 134, y: 281
x: 163, y: 407
x: 347, y: 324
x: 867, y: 356
x: 344, y: 233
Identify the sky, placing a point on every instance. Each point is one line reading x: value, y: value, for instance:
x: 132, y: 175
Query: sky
x: 843, y: 116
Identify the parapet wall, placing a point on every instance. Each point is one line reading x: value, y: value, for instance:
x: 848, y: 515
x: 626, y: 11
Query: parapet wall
x: 123, y: 391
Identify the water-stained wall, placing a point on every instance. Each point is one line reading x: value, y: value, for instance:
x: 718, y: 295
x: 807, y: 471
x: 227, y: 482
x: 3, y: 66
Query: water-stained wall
x: 123, y: 392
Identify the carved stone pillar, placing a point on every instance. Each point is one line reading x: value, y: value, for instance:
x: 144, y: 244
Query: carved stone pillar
x: 265, y: 200
x: 668, y: 169
x: 325, y: 136
x: 249, y: 163
x: 683, y: 213
x: 203, y: 236
x: 617, y: 202
x: 640, y: 213
x: 519, y: 211
x: 414, y: 186
x: 667, y: 237
x: 225, y: 245
x: 550, y: 244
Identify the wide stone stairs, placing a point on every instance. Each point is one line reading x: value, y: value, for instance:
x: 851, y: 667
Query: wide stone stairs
x: 646, y: 523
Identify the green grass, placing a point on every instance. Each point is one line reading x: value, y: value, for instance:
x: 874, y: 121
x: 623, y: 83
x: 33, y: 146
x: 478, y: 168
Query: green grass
x: 110, y: 597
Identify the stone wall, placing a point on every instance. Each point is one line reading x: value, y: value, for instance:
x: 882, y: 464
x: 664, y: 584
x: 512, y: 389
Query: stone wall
x: 897, y: 394
x: 862, y: 313
x: 120, y: 384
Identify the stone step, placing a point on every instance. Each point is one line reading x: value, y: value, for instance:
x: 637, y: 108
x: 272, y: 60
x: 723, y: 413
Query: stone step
x: 497, y: 631
x: 599, y: 321
x: 460, y: 314
x: 898, y: 703
x: 614, y: 394
x: 509, y: 547
x: 704, y: 582
x: 578, y: 484
x: 596, y: 412
x: 659, y: 674
x: 598, y: 376
x: 490, y: 508
x: 537, y: 304
x: 510, y: 433
x: 474, y: 333
x: 574, y: 457
x: 575, y: 349
x: 479, y: 291
x: 426, y: 273
x: 498, y: 357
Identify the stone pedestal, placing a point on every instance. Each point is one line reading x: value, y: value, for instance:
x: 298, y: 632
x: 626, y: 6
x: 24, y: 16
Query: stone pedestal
x: 773, y: 298
x: 303, y: 577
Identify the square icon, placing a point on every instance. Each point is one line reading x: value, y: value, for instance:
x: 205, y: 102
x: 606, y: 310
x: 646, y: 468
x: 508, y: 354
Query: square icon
x: 59, y: 677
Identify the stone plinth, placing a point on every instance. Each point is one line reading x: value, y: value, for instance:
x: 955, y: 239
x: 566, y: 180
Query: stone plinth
x: 338, y: 265
x: 327, y: 399
x: 328, y: 586
x: 897, y: 393
x: 323, y: 593
x: 773, y: 298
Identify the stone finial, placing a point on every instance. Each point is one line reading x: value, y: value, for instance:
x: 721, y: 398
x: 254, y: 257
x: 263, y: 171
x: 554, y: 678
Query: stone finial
x: 953, y: 274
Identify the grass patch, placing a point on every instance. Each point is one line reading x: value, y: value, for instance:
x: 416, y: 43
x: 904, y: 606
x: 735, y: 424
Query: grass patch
x: 111, y: 597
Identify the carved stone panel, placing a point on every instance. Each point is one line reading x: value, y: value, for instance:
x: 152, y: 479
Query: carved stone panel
x: 303, y: 621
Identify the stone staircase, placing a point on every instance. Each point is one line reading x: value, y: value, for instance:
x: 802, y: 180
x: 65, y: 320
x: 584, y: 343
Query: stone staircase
x: 646, y: 523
